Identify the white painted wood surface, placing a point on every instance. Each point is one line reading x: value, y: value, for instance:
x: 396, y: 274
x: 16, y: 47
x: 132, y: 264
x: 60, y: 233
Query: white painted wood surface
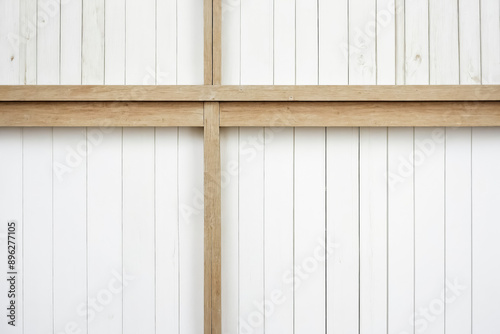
x: 230, y: 266
x: 458, y: 239
x: 373, y: 230
x: 309, y: 231
x: 107, y: 242
x: 278, y: 228
x: 104, y: 226
x: 400, y: 202
x: 167, y: 231
x: 342, y: 230
x: 139, y: 229
x: 485, y: 230
x: 400, y: 230
x: 432, y: 226
x: 190, y: 197
x: 429, y: 188
x: 251, y: 230
x: 70, y: 230
x: 38, y: 230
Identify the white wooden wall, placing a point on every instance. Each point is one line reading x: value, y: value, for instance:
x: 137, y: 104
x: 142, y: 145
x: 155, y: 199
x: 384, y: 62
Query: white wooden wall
x: 324, y: 230
x: 371, y: 230
x: 110, y: 220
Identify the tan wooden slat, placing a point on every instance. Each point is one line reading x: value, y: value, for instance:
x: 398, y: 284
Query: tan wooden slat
x: 251, y: 93
x: 217, y: 42
x: 127, y: 114
x: 208, y: 41
x: 212, y: 219
x: 331, y: 114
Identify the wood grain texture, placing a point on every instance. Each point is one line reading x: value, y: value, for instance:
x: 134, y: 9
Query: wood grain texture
x: 28, y: 12
x: 216, y: 42
x: 360, y: 114
x: 128, y: 114
x: 251, y: 93
x: 212, y: 184
x: 93, y: 40
x: 208, y: 41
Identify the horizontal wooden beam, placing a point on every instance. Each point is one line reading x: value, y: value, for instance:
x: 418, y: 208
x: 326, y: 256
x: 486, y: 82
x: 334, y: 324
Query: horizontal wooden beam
x: 250, y: 93
x: 126, y: 114
x: 359, y: 114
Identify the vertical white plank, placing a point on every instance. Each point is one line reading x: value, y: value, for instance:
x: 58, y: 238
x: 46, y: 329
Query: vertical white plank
x: 470, y: 41
x: 386, y: 42
x: 417, y: 42
x: 443, y: 42
x: 71, y: 42
x: 251, y: 230
x: 231, y: 42
x: 307, y: 42
x: 48, y: 43
x: 9, y: 42
x: 104, y: 221
x: 284, y: 42
x: 230, y: 228
x: 342, y: 231
x: 27, y: 42
x: 256, y: 42
x: 114, y: 42
x: 490, y: 47
x: 485, y: 229
x: 38, y: 235
x: 190, y: 42
x: 167, y: 232
x: 400, y: 234
x: 362, y: 42
x: 11, y: 229
x: 191, y: 229
x: 333, y: 42
x: 166, y: 43
x: 309, y: 250
x: 70, y: 230
x: 458, y: 230
x: 278, y: 229
x: 400, y: 41
x: 93, y: 42
x: 429, y: 230
x: 140, y: 43
x: 138, y: 230
x: 373, y: 230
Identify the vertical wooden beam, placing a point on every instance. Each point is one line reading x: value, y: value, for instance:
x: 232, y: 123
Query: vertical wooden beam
x: 212, y: 180
x: 217, y: 42
x: 208, y: 41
